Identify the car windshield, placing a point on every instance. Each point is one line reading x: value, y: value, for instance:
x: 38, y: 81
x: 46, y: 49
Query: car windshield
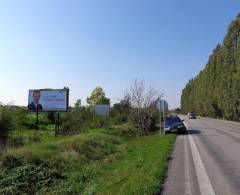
x: 170, y: 121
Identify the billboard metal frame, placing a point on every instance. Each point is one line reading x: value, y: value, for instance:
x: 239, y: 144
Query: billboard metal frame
x: 57, y: 124
x: 55, y: 110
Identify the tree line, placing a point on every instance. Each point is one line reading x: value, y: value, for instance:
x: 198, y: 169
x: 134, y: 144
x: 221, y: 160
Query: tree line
x: 215, y: 91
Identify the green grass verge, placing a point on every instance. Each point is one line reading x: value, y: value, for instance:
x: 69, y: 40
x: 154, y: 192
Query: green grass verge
x: 26, y: 136
x: 141, y: 170
x: 98, y: 162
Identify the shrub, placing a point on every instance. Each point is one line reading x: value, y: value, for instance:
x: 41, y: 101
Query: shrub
x: 15, y: 142
x: 126, y: 130
x: 120, y: 112
x: 35, y: 138
x: 143, y: 102
x: 73, y: 123
x: 100, y: 122
x: 10, y: 161
x: 51, y: 117
x: 81, y: 119
x: 30, y: 178
x: 6, y: 123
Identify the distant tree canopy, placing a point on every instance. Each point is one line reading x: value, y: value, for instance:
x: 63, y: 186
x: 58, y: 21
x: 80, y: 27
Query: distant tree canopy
x: 98, y: 97
x: 215, y: 92
x: 78, y: 104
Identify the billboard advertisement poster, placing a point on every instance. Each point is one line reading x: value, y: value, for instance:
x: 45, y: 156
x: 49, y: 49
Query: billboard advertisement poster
x: 45, y: 100
x: 102, y: 110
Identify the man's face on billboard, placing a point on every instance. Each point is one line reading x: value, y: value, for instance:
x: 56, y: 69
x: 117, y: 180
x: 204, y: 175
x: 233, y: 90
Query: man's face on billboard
x: 36, y: 97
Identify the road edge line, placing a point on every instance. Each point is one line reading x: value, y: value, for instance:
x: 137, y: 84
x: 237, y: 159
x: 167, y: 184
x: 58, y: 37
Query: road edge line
x: 188, y: 187
x: 204, y: 182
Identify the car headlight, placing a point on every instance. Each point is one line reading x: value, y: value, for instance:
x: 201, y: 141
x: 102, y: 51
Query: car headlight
x: 167, y: 129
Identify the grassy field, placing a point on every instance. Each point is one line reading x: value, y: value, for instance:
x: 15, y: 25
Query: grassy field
x: 101, y: 161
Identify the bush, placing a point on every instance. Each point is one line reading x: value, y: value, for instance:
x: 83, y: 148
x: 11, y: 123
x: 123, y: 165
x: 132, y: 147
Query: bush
x: 100, y: 122
x: 71, y: 124
x: 10, y: 161
x: 81, y: 119
x: 21, y: 177
x: 120, y: 112
x: 6, y: 123
x: 51, y: 117
x: 126, y: 130
x: 15, y: 142
x: 35, y: 138
x: 19, y: 118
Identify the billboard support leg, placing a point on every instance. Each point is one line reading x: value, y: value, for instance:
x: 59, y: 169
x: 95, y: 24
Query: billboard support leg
x: 57, y: 125
x: 37, y: 120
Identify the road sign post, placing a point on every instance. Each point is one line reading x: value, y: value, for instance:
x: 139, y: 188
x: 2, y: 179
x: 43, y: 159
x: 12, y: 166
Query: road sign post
x: 162, y: 107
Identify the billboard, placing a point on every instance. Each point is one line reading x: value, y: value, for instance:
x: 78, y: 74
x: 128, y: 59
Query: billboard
x: 44, y: 100
x: 102, y: 110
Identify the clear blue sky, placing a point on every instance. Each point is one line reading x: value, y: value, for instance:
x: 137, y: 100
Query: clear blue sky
x: 87, y: 43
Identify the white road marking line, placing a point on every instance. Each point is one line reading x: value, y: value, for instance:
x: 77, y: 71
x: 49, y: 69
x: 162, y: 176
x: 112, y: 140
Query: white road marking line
x: 188, y: 186
x: 203, y: 179
x: 204, y: 183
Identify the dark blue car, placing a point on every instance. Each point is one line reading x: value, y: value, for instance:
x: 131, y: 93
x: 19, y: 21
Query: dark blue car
x: 174, y: 124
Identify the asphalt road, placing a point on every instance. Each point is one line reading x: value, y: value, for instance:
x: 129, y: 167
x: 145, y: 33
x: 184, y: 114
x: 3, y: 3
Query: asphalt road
x: 207, y: 160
